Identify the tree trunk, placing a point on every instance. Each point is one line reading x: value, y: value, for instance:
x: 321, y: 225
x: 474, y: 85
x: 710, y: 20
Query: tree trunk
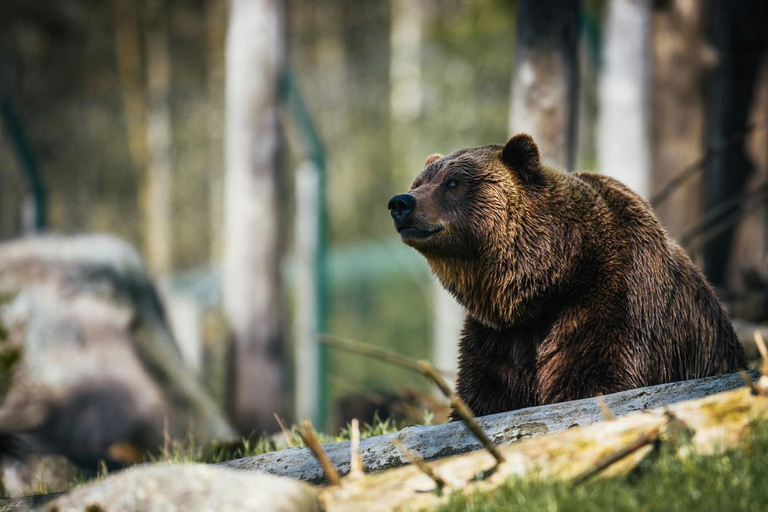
x: 216, y: 17
x: 545, y: 78
x: 740, y: 41
x: 158, y: 235
x: 253, y: 223
x: 306, y: 326
x: 680, y: 57
x: 623, y: 145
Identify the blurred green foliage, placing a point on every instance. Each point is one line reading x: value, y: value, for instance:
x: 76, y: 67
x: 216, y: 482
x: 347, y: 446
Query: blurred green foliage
x: 60, y: 66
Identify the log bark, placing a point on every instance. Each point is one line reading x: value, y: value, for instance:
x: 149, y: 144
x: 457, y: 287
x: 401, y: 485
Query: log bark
x: 439, y: 441
x: 714, y: 423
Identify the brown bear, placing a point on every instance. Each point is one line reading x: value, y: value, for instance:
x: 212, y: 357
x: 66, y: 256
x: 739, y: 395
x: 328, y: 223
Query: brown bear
x: 571, y: 286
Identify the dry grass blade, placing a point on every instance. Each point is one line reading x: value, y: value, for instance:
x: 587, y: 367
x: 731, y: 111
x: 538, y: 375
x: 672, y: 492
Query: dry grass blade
x: 760, y: 342
x: 284, y: 430
x: 307, y: 434
x: 355, y: 459
x: 418, y: 461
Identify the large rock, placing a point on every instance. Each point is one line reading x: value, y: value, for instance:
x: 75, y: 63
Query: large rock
x: 189, y: 488
x: 88, y: 367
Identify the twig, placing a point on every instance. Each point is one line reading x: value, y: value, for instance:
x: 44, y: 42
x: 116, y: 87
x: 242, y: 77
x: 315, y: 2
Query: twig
x: 611, y: 458
x: 355, y: 459
x: 418, y: 461
x: 307, y: 434
x: 284, y: 430
x: 748, y: 382
x: 697, y: 166
x: 461, y: 409
x: 363, y: 349
x: 736, y: 205
x: 399, y: 405
x: 428, y: 370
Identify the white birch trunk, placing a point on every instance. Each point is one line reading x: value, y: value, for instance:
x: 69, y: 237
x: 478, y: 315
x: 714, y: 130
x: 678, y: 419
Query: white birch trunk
x: 623, y: 136
x: 448, y: 319
x: 252, y: 253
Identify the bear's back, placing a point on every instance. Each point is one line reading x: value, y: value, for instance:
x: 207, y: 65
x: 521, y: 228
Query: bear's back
x: 674, y: 310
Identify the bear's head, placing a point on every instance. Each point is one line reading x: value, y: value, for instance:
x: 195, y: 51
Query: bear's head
x: 460, y: 204
x: 481, y: 217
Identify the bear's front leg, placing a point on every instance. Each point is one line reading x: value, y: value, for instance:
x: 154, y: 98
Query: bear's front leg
x: 583, y: 361
x: 497, y: 368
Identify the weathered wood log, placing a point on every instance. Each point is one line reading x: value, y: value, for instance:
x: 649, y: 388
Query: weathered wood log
x: 712, y: 424
x: 435, y: 442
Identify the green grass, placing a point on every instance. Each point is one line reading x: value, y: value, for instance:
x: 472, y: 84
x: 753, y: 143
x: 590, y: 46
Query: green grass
x: 179, y: 451
x: 188, y: 451
x: 736, y: 480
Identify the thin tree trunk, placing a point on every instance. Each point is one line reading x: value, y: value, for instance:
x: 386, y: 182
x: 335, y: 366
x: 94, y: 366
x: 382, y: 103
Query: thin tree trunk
x: 407, y: 95
x: 623, y: 138
x: 129, y: 72
x: 740, y: 41
x: 406, y: 101
x: 157, y: 187
x: 216, y: 14
x: 253, y: 245
x: 546, y: 77
x: 307, y: 237
x: 680, y: 57
x: 447, y: 322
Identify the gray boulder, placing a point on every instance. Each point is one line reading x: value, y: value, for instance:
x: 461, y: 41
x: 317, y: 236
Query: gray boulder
x: 189, y: 488
x: 88, y: 367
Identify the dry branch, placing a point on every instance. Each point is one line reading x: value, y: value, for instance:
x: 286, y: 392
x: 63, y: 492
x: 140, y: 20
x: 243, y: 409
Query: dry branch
x: 428, y: 370
x: 307, y: 434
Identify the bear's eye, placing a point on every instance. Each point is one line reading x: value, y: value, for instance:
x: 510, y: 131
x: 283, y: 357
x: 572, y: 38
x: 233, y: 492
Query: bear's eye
x: 451, y: 183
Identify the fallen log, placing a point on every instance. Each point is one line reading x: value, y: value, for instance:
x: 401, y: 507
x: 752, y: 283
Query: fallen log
x: 435, y: 442
x: 709, y: 425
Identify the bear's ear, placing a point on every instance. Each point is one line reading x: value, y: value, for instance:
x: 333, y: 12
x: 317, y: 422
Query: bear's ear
x: 521, y: 154
x: 432, y: 159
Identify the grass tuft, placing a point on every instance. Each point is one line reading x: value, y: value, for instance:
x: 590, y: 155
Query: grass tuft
x: 735, y: 480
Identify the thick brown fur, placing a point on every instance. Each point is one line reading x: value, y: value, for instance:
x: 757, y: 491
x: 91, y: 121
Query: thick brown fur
x: 571, y: 286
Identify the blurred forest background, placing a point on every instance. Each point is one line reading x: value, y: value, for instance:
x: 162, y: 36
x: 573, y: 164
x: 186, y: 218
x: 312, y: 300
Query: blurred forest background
x: 123, y: 110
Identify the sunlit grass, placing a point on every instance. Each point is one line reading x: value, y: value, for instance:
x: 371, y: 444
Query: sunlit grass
x: 735, y: 480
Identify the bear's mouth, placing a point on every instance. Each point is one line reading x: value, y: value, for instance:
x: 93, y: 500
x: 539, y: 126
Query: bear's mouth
x: 414, y: 233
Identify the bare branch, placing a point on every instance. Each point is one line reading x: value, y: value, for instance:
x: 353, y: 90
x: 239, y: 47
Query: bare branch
x: 283, y: 429
x: 418, y: 461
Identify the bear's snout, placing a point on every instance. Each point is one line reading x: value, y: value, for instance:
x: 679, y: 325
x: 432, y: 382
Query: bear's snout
x: 401, y: 205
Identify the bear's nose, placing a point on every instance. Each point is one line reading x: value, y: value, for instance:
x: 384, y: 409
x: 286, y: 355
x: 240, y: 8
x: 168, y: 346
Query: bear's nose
x: 401, y: 205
